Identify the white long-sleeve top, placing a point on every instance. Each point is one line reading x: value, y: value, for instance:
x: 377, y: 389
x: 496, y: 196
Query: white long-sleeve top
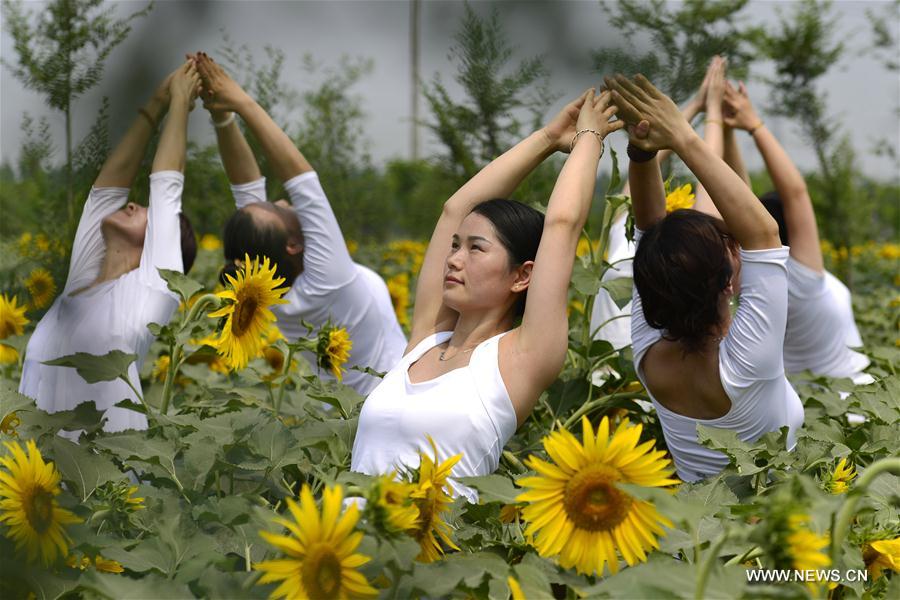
x: 751, y: 368
x: 820, y: 326
x: 332, y: 286
x: 112, y: 315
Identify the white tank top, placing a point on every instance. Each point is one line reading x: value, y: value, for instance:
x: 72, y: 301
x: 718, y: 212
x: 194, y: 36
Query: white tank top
x: 466, y: 411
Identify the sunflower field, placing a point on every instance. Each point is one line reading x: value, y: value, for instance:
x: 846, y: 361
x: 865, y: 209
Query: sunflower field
x: 241, y: 488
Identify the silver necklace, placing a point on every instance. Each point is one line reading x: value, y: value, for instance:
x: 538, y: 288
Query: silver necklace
x: 442, y: 359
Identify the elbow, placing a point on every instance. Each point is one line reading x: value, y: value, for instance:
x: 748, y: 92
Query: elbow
x: 564, y: 221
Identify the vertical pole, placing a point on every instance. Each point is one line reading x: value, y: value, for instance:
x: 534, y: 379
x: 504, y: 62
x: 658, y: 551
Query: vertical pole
x: 414, y: 12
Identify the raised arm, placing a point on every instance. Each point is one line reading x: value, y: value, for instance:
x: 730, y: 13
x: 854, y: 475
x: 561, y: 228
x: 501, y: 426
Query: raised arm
x: 799, y: 216
x: 222, y: 94
x: 733, y: 155
x: 498, y: 179
x: 124, y: 161
x: 713, y: 128
x: 542, y: 339
x: 237, y: 156
x: 172, y: 148
x: 689, y: 111
x: 744, y: 215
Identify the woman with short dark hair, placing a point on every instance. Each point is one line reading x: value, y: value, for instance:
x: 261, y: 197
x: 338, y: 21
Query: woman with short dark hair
x: 302, y: 237
x: 700, y: 364
x: 113, y: 290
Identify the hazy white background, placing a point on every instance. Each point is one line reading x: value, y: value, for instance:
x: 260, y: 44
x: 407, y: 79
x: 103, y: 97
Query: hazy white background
x: 862, y: 95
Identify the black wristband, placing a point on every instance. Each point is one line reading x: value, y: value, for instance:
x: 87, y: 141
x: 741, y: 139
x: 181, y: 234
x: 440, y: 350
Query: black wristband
x: 639, y: 156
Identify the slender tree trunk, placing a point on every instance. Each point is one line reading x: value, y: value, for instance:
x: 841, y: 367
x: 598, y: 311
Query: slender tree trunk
x: 69, y: 196
x: 414, y: 12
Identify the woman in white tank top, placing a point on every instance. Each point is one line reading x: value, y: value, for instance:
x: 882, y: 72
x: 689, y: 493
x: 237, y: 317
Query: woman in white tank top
x: 470, y: 376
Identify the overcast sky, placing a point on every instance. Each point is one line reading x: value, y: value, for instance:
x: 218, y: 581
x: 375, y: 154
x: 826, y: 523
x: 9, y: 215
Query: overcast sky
x: 861, y: 93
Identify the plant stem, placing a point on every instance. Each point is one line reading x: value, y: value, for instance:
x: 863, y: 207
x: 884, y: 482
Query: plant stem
x: 284, y: 378
x: 750, y: 554
x: 589, y: 406
x: 150, y: 414
x: 174, y: 363
x: 847, y: 510
x: 706, y: 567
x: 514, y: 461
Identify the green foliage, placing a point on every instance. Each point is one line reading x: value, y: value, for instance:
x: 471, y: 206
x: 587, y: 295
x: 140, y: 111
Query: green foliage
x: 485, y: 124
x: 684, y: 37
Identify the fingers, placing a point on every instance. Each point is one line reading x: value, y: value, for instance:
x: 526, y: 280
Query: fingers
x: 742, y: 88
x: 647, y: 87
x: 579, y: 101
x: 627, y: 111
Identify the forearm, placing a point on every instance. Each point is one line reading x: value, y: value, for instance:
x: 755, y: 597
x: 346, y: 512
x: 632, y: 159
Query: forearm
x: 744, y: 215
x: 123, y: 163
x: 785, y: 176
x: 237, y: 157
x: 648, y: 193
x: 284, y: 157
x: 502, y: 176
x: 170, y: 154
x: 733, y: 156
x: 570, y: 201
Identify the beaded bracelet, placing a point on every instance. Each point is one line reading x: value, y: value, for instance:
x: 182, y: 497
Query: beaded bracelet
x: 578, y: 133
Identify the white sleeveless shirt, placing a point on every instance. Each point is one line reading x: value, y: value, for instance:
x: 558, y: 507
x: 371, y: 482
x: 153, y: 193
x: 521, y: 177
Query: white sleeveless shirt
x: 466, y: 411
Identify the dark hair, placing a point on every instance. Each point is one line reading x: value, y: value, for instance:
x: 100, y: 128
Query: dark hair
x: 188, y: 243
x: 244, y: 235
x: 772, y: 202
x: 519, y: 229
x: 681, y: 267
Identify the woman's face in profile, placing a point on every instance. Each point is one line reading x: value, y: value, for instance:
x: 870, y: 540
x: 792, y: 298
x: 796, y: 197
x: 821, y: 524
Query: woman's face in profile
x: 128, y: 224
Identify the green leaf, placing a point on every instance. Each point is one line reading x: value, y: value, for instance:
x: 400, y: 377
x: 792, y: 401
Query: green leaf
x: 585, y: 279
x: 12, y: 401
x: 180, y: 283
x: 117, y: 587
x: 441, y: 578
x: 130, y: 447
x: 619, y: 290
x: 50, y: 586
x: 83, y: 469
x: 492, y: 488
x: 93, y: 368
x: 83, y: 416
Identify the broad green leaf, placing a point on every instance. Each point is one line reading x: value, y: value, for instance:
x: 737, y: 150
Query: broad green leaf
x: 94, y: 368
x: 441, y: 578
x: 130, y: 447
x: 119, y: 587
x: 12, y: 401
x: 83, y: 469
x: 530, y: 574
x: 50, y: 586
x: 83, y: 416
x: 585, y: 280
x: 180, y: 283
x: 492, y: 488
x: 619, y: 290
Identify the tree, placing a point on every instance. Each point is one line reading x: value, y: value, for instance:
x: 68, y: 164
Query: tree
x: 481, y: 127
x: 683, y: 36
x: 61, y: 54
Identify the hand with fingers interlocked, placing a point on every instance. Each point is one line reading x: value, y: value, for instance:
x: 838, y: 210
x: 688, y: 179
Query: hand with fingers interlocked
x: 654, y: 120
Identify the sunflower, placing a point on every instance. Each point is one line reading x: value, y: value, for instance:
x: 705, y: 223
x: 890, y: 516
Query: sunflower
x: 210, y: 242
x: 28, y: 507
x: 576, y: 506
x: 432, y: 499
x: 133, y: 504
x: 804, y: 546
x: 881, y: 555
x: 161, y: 367
x: 838, y: 481
x: 41, y: 287
x: 248, y: 315
x: 8, y: 355
x: 9, y: 424
x: 104, y: 565
x: 12, y: 317
x: 515, y: 590
x: 398, y: 287
x: 393, y: 503
x: 24, y: 243
x: 42, y: 243
x: 333, y: 350
x: 320, y: 560
x: 681, y: 197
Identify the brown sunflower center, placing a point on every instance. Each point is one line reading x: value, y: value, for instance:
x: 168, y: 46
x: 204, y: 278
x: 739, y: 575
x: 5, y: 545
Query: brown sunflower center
x: 593, y: 502
x: 39, y: 511
x: 321, y: 573
x: 244, y: 311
